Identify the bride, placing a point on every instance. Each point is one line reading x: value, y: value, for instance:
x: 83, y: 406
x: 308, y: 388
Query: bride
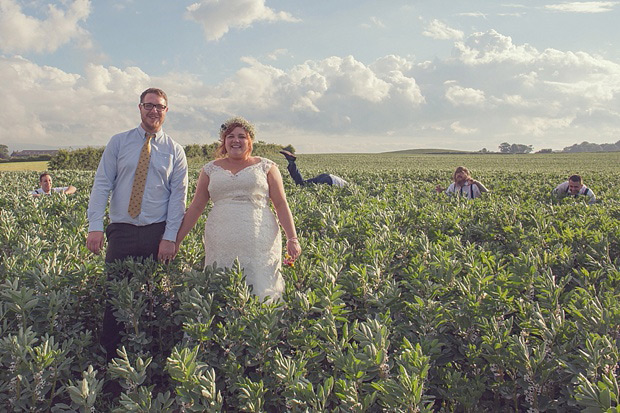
x: 241, y: 224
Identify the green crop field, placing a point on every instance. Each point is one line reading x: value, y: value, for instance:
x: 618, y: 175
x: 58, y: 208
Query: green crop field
x: 404, y: 300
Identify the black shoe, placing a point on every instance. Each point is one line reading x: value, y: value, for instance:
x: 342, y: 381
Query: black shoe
x: 289, y: 156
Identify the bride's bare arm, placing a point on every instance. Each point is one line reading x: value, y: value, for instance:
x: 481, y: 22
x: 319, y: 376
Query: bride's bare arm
x: 193, y: 212
x: 278, y: 198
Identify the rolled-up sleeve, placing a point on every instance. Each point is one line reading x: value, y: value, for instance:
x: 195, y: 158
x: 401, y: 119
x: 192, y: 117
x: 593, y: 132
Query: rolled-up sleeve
x: 560, y: 189
x: 178, y: 194
x: 102, y: 186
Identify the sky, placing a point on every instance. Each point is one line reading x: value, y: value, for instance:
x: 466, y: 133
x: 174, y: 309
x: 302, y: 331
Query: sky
x: 324, y: 76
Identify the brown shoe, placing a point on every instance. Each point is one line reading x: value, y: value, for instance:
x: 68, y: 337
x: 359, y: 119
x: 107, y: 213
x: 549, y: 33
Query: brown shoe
x: 288, y: 155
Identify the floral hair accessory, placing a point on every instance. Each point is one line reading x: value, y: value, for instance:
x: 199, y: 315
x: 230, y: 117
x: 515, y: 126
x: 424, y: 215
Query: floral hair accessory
x: 238, y: 121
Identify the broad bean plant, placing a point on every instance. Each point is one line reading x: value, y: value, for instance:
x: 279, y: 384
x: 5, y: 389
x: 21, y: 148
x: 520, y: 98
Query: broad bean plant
x: 404, y: 300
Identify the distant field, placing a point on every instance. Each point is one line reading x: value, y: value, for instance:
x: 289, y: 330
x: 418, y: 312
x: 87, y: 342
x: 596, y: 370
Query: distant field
x: 429, y: 151
x: 24, y: 166
x: 569, y: 163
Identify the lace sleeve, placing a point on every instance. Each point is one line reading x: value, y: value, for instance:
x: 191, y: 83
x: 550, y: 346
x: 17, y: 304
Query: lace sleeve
x: 208, y: 168
x: 266, y: 164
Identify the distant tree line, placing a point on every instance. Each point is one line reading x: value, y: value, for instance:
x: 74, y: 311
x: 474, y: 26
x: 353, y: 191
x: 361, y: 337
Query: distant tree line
x: 506, y: 147
x: 260, y: 148
x: 88, y: 158
x: 593, y: 147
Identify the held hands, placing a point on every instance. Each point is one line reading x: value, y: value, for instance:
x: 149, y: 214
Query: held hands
x: 167, y: 251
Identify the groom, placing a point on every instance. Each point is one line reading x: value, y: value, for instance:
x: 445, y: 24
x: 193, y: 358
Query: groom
x: 145, y: 172
x: 144, y: 219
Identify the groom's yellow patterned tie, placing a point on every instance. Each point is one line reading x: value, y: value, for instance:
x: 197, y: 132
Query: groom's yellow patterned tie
x: 139, y: 179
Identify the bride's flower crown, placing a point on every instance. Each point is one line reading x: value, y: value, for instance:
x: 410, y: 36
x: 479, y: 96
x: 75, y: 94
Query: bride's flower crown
x: 238, y: 120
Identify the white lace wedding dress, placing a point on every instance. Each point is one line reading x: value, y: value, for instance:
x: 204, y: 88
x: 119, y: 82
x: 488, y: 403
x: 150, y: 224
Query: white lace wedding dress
x: 242, y: 225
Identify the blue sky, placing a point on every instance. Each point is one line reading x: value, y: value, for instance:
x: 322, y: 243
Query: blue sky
x: 325, y: 76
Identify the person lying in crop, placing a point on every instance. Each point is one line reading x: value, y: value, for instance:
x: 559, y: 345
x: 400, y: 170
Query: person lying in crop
x: 574, y: 187
x: 45, y: 180
x: 463, y: 185
x: 328, y: 179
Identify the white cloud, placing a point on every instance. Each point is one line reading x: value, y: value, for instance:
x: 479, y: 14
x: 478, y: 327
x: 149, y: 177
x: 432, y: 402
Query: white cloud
x: 21, y: 33
x: 277, y: 53
x: 491, y: 46
x: 462, y: 130
x: 47, y: 105
x: 218, y: 17
x: 539, y: 126
x: 459, y: 96
x: 319, y: 96
x: 392, y: 63
x: 330, y: 93
x: 441, y: 31
x: 526, y: 93
x: 348, y: 76
x: 511, y: 14
x: 528, y: 79
x: 513, y: 100
x: 528, y: 96
x: 583, y: 7
x: 473, y: 14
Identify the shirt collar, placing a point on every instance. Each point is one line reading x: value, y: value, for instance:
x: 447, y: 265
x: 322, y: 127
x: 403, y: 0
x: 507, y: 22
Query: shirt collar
x: 142, y: 133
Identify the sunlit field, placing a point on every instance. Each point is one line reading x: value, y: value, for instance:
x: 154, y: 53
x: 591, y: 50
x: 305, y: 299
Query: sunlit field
x: 403, y: 300
x: 24, y: 166
x: 549, y: 163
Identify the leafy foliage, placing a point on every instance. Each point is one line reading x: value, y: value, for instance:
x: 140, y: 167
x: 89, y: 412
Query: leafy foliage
x: 505, y: 147
x: 87, y: 159
x: 4, y: 152
x: 593, y: 147
x: 404, y: 300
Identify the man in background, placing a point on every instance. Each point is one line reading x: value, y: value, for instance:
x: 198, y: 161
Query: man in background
x: 45, y: 180
x: 574, y: 187
x: 328, y: 179
x: 463, y: 184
